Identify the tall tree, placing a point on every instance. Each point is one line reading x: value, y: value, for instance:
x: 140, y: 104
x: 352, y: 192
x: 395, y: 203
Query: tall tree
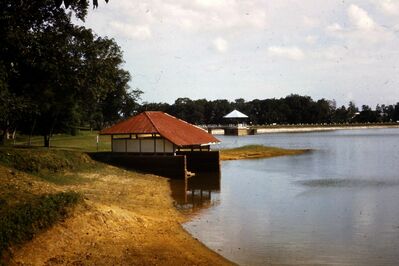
x: 65, y: 70
x: 72, y: 3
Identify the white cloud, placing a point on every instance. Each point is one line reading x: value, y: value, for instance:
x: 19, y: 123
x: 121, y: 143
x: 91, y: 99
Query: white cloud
x: 210, y: 15
x: 141, y: 32
x: 212, y: 3
x: 311, y: 39
x: 334, y: 53
x: 363, y: 30
x: 389, y: 7
x: 143, y: 18
x: 335, y: 27
x: 322, y: 37
x: 220, y: 45
x: 360, y: 19
x: 310, y: 22
x: 292, y: 53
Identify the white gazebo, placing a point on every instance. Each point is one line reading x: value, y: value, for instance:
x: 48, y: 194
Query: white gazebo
x: 235, y: 114
x: 236, y: 118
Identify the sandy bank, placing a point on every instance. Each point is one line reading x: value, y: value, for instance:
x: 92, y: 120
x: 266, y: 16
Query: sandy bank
x: 127, y: 218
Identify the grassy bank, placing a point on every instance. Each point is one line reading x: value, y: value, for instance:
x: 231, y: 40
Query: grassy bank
x: 29, y: 201
x: 20, y: 222
x: 53, y: 165
x: 257, y: 151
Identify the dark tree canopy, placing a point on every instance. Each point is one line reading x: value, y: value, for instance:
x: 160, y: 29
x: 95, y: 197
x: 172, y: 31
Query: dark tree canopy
x: 58, y: 75
x: 292, y: 109
x: 69, y: 3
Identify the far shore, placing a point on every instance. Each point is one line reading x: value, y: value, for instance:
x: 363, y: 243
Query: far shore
x: 316, y: 128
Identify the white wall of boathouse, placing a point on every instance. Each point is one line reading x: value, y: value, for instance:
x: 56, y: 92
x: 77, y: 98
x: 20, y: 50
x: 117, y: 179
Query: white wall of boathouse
x: 147, y: 145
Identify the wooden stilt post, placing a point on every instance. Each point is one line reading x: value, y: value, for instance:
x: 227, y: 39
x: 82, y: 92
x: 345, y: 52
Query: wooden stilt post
x: 155, y: 143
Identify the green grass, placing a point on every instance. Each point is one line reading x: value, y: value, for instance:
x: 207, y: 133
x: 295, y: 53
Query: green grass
x: 21, y: 222
x: 53, y: 165
x: 85, y: 141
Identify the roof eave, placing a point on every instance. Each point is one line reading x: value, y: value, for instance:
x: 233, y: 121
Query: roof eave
x: 126, y: 133
x: 199, y: 144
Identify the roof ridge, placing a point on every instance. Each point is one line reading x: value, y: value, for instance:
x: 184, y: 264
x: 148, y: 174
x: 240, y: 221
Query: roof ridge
x: 152, y: 122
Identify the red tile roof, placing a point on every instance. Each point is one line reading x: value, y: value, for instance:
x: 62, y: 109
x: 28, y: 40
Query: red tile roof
x: 171, y: 128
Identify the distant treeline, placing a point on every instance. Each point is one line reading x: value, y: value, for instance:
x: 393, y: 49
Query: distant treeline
x: 293, y: 109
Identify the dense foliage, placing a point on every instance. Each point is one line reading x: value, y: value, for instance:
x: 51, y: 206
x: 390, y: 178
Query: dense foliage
x: 71, y: 3
x: 293, y: 109
x: 55, y: 75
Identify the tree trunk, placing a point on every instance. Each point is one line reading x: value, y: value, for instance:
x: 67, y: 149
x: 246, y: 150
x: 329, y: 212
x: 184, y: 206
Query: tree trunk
x: 31, y: 132
x: 3, y: 137
x: 47, y: 141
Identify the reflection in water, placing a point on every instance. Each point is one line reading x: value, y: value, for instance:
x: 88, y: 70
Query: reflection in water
x: 195, y: 193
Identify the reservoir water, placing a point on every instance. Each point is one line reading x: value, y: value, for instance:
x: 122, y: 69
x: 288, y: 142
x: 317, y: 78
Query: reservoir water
x: 338, y: 204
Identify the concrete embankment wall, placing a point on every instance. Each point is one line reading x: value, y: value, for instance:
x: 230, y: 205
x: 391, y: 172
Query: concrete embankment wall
x: 234, y: 131
x: 202, y: 161
x: 164, y: 165
x: 293, y: 129
x: 216, y: 131
x: 169, y: 166
x: 254, y: 130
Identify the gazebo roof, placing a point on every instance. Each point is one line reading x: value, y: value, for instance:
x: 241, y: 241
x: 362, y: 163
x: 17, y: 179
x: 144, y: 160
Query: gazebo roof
x: 171, y: 128
x: 235, y: 114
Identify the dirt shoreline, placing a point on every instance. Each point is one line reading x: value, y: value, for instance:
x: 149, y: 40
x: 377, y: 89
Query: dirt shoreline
x: 127, y: 218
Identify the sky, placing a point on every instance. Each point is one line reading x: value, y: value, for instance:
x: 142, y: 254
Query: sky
x: 253, y: 49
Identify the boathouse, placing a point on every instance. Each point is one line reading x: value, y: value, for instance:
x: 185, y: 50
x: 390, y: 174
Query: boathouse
x: 163, y: 144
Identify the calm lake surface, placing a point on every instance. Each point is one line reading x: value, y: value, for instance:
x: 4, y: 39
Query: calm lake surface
x: 338, y: 204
